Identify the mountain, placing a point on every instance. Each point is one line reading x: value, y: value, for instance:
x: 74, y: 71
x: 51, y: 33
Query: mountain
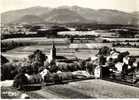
x: 66, y: 14
x: 136, y: 14
x: 63, y: 16
x: 85, y: 12
x: 30, y: 19
x: 104, y: 16
x: 13, y: 16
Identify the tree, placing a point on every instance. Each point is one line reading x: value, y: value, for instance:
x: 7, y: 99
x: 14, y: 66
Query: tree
x: 38, y: 57
x: 8, y: 71
x: 35, y: 67
x: 4, y: 60
x: 105, y: 51
x: 19, y: 80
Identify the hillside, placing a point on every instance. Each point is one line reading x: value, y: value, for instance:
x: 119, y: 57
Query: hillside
x: 105, y: 16
x: 30, y: 19
x: 65, y: 14
x: 13, y: 16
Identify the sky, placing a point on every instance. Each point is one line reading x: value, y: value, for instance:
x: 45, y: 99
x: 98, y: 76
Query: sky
x: 123, y: 5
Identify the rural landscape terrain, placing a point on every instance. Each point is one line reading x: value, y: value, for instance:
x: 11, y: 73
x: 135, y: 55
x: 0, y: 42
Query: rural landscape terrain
x: 69, y: 52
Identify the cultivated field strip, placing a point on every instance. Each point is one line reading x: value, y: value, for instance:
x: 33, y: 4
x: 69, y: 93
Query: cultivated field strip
x: 82, y: 51
x: 38, y: 40
x: 102, y: 88
x: 94, y: 88
x: 122, y: 39
x: 90, y: 45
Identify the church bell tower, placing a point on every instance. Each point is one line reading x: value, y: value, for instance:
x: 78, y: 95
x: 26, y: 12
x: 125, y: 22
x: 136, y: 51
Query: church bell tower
x: 53, y: 52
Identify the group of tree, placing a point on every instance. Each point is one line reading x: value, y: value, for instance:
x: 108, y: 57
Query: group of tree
x: 127, y: 34
x: 40, y: 32
x: 11, y: 45
x: 125, y: 45
x: 33, y: 65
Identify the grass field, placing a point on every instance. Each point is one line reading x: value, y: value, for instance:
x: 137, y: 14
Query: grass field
x: 39, y: 41
x: 82, y: 51
x: 23, y: 52
x: 90, y: 45
x: 64, y: 48
x: 132, y: 51
x: 84, y: 89
x: 122, y: 39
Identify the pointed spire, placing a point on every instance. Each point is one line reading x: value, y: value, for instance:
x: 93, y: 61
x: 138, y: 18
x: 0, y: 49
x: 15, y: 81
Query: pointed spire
x: 53, y: 45
x: 53, y: 51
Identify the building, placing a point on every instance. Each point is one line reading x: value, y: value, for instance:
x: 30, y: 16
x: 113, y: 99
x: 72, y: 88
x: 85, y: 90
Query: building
x: 52, y: 56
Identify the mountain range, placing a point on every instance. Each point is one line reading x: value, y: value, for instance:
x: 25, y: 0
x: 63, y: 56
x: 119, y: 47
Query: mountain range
x: 69, y: 14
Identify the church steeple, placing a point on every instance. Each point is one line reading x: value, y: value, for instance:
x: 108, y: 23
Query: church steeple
x: 52, y: 55
x: 53, y: 51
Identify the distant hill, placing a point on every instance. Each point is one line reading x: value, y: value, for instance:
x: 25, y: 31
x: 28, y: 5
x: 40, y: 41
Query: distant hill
x: 66, y: 14
x: 136, y: 14
x: 63, y: 16
x: 13, y: 16
x: 105, y: 16
x: 29, y: 19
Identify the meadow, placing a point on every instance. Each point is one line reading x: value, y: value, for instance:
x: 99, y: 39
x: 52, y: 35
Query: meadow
x: 79, y: 50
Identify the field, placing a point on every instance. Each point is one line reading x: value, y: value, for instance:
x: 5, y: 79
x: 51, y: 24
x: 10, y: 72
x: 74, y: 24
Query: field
x: 37, y: 40
x: 132, y: 51
x: 61, y: 50
x: 83, y: 50
x: 122, y: 39
x: 93, y: 88
x: 84, y: 33
x: 89, y: 45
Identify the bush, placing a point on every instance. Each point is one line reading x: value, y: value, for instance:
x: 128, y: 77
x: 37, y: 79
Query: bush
x: 19, y: 80
x: 4, y: 60
x: 104, y: 51
x: 8, y: 71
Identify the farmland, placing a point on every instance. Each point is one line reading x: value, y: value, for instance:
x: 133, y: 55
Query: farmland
x: 83, y: 50
x: 38, y: 40
x: 81, y: 89
x: 61, y: 50
x: 123, y: 39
